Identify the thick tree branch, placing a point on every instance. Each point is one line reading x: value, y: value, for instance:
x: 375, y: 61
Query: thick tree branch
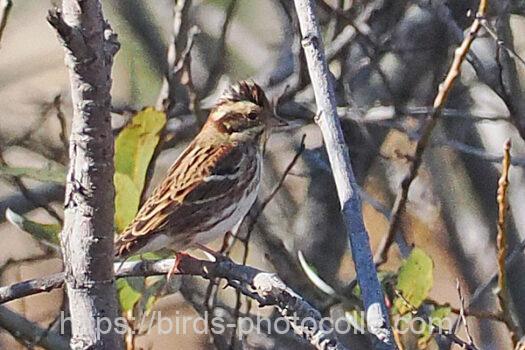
x: 267, y: 288
x: 376, y: 313
x: 87, y: 236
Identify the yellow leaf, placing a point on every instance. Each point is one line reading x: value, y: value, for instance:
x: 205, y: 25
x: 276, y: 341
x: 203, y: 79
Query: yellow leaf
x: 134, y: 149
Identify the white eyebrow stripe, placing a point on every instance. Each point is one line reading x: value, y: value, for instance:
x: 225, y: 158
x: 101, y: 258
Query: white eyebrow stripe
x: 241, y: 107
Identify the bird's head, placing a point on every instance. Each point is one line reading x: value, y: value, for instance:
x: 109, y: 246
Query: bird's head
x: 243, y: 112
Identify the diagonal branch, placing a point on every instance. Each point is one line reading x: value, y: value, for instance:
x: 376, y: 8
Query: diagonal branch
x: 267, y: 288
x: 502, y: 292
x: 376, y: 313
x: 26, y: 330
x: 438, y: 107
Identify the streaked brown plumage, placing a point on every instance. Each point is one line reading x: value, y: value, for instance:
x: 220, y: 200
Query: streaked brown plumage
x: 214, y: 182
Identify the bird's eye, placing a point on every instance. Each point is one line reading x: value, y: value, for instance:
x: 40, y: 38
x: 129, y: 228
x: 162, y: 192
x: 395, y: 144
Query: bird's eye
x: 252, y: 116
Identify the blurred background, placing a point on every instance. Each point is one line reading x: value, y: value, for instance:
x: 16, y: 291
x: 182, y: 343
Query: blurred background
x: 387, y: 58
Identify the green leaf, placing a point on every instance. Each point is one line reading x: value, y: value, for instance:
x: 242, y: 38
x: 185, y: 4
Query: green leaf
x: 129, y: 291
x: 134, y: 149
x: 127, y: 200
x: 414, y: 280
x: 52, y: 172
x: 42, y: 232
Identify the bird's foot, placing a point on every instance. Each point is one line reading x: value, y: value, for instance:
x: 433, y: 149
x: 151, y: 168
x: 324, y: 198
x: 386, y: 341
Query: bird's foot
x: 226, y: 241
x: 175, y: 268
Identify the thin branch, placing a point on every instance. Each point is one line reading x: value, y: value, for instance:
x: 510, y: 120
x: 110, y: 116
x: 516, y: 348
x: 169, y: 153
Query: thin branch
x: 436, y: 329
x: 28, y: 194
x: 486, y: 25
x: 481, y: 315
x: 376, y: 312
x: 57, y: 103
x: 477, y: 152
x: 462, y: 316
x: 438, y: 106
x: 168, y: 98
x: 510, y: 262
x: 503, y: 185
x: 267, y: 288
x: 502, y: 292
x: 45, y: 193
x: 278, y: 186
x: 21, y: 328
x: 177, y: 58
x: 453, y: 338
x: 5, y: 10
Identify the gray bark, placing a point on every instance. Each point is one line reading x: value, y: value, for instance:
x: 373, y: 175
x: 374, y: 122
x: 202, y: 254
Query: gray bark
x: 266, y: 288
x: 376, y: 313
x: 87, y: 237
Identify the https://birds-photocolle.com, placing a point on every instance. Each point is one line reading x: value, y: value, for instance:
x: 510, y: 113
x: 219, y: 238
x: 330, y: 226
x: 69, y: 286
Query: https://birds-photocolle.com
x: 213, y: 184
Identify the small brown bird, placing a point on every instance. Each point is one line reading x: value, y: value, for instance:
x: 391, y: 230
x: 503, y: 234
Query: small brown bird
x: 213, y: 184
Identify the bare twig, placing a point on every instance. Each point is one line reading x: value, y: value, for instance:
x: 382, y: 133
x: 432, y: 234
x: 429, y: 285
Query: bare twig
x: 510, y: 262
x: 178, y: 63
x: 477, y: 152
x: 480, y: 315
x: 436, y: 329
x: 30, y: 332
x: 453, y: 338
x: 438, y: 106
x: 376, y: 313
x: 45, y: 193
x: 57, y: 103
x: 462, y: 316
x: 486, y: 25
x: 28, y: 194
x: 502, y: 291
x: 503, y: 185
x: 267, y: 288
x: 168, y: 98
x: 5, y: 10
x: 507, y: 85
x: 277, y: 187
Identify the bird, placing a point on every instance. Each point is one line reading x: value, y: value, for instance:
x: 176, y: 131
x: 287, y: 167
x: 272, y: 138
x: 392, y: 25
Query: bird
x: 213, y: 184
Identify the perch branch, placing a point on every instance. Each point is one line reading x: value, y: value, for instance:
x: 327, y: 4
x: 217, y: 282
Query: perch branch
x: 267, y: 288
x: 376, y: 313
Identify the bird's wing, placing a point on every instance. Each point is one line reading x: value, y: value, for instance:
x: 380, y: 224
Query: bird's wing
x: 193, y: 189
